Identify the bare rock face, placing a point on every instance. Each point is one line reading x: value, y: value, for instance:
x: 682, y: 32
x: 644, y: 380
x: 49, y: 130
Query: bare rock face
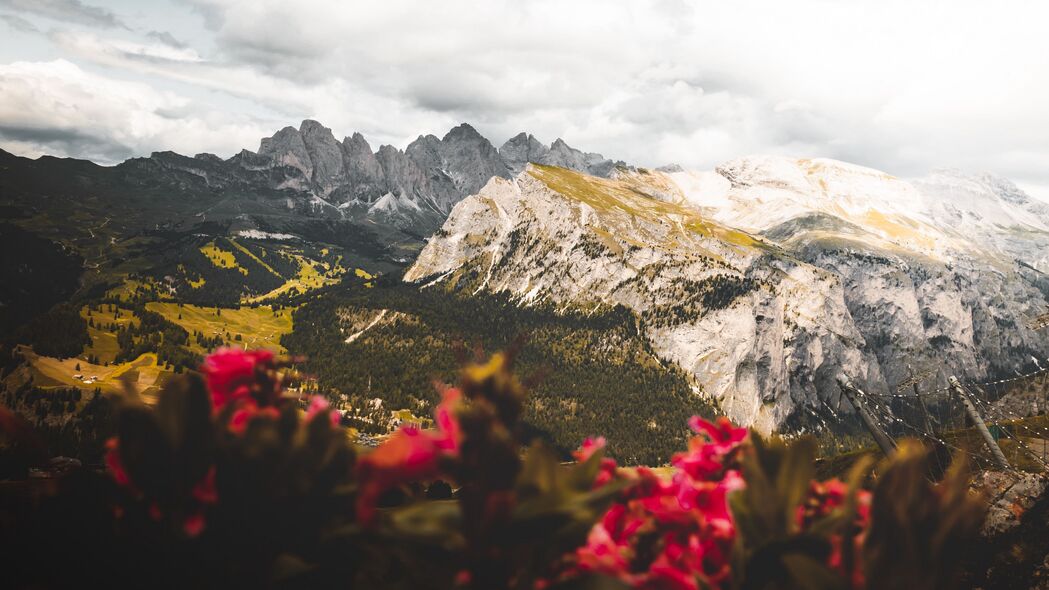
x: 1011, y: 495
x: 439, y: 189
x: 935, y: 279
x: 1014, y: 551
x: 403, y: 176
x: 524, y: 148
x: 325, y: 154
x: 760, y: 332
x: 470, y: 159
x: 831, y: 276
x: 286, y: 148
x: 521, y: 149
x: 364, y: 177
x: 565, y: 156
x: 425, y: 180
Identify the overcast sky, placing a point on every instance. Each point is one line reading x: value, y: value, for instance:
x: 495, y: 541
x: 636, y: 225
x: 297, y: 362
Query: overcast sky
x: 901, y: 86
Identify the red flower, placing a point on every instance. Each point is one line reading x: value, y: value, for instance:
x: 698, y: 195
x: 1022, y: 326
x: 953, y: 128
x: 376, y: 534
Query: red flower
x: 823, y: 499
x: 193, y: 525
x: 114, y: 464
x: 686, y: 521
x: 608, y: 466
x: 589, y: 447
x: 450, y: 435
x: 205, y: 492
x: 410, y: 454
x: 248, y: 411
x: 234, y: 375
x: 318, y: 406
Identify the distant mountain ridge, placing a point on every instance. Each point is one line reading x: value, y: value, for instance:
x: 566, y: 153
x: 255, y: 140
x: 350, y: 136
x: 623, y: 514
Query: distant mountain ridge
x: 414, y: 188
x: 299, y: 181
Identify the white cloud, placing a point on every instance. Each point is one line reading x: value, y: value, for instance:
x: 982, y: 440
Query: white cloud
x: 901, y: 86
x: 58, y: 108
x: 72, y: 11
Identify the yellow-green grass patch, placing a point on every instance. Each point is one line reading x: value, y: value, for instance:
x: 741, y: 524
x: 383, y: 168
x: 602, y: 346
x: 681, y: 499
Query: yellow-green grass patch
x: 253, y: 257
x: 308, y: 278
x: 103, y: 340
x: 126, y: 290
x: 221, y: 258
x: 612, y: 195
x: 258, y: 327
x: 146, y: 375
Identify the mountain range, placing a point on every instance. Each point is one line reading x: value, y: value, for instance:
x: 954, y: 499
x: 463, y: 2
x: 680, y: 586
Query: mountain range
x: 764, y: 280
x: 770, y: 278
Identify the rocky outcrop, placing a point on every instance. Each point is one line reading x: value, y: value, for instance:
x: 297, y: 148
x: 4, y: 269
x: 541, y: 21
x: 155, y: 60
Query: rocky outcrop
x: 346, y: 178
x: 758, y: 331
x: 521, y: 149
x: 469, y: 159
x: 524, y: 148
x: 1013, y: 551
x: 929, y: 292
x: 844, y: 282
x: 425, y: 180
x: 286, y: 148
x: 325, y: 154
x: 364, y: 176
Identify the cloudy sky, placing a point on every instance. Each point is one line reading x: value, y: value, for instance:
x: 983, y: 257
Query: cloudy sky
x: 902, y: 86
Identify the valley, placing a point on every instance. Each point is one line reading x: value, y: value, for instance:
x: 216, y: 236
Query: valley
x: 644, y: 295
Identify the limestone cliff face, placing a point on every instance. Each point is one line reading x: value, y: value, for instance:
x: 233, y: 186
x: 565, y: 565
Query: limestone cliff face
x: 941, y: 274
x: 759, y: 331
x: 765, y: 324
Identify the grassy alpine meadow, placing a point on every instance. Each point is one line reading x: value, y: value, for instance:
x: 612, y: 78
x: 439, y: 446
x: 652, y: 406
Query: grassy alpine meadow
x: 251, y: 327
x: 144, y: 373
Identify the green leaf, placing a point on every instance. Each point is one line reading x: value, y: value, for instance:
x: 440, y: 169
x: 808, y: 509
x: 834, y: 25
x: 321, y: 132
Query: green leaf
x: 434, y: 521
x: 539, y: 473
x: 795, y: 475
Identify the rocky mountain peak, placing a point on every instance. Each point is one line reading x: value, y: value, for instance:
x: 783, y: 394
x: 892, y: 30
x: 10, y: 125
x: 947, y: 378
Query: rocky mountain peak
x: 287, y: 148
x: 424, y: 150
x: 356, y: 143
x: 469, y: 159
x: 563, y: 155
x: 521, y: 149
x: 325, y: 155
x: 363, y: 179
x: 463, y: 131
x: 436, y: 172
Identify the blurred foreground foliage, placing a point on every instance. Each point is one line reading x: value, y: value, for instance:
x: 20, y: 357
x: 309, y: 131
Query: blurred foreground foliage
x: 227, y: 481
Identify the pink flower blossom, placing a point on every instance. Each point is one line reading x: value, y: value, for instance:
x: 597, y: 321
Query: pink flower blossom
x: 114, y: 464
x: 193, y: 525
x: 410, y: 454
x: 608, y: 466
x: 686, y: 520
x: 247, y: 412
x: 234, y: 375
x: 205, y: 492
x: 319, y: 405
